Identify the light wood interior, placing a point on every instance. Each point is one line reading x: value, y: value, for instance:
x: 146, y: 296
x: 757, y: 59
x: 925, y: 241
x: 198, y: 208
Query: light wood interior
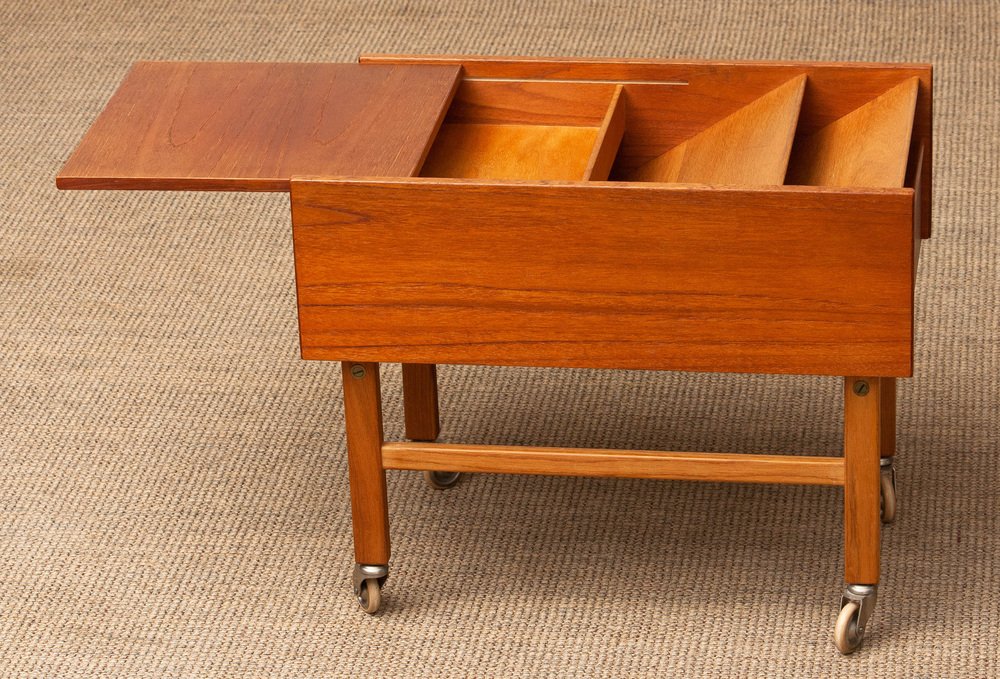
x: 670, y: 101
x: 749, y: 147
x: 867, y: 147
x: 529, y: 130
x: 540, y: 130
x: 490, y: 151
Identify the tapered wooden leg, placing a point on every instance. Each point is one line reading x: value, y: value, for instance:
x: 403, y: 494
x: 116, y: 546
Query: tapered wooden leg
x: 862, y: 442
x: 887, y: 445
x: 420, y: 401
x: 369, y: 505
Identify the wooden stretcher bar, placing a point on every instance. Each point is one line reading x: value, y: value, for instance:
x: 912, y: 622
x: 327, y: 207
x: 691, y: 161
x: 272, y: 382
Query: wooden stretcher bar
x: 643, y: 464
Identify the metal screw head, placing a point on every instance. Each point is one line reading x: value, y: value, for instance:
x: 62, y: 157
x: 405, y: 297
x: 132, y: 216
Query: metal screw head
x: 357, y: 371
x: 861, y: 388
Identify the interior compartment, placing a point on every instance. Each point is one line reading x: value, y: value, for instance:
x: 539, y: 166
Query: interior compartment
x: 867, y: 147
x: 755, y: 132
x: 535, y: 130
x: 750, y: 146
x: 762, y: 134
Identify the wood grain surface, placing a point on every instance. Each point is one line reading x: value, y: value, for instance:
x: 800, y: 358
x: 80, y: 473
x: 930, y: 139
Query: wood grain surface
x: 363, y: 422
x: 646, y: 464
x: 711, y: 90
x: 862, y: 491
x: 748, y: 147
x: 420, y: 402
x: 539, y: 152
x: 605, y: 274
x: 609, y: 139
x: 518, y: 102
x: 252, y: 126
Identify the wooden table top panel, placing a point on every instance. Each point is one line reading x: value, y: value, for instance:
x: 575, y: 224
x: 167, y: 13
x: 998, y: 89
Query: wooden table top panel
x: 252, y: 126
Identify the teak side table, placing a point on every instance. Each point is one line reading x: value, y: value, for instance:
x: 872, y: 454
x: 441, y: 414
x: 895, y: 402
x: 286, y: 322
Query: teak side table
x: 709, y: 216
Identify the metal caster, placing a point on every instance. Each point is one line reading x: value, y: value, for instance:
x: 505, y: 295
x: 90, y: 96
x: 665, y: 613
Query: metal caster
x: 368, y: 581
x: 441, y: 480
x: 856, y: 607
x: 888, y: 484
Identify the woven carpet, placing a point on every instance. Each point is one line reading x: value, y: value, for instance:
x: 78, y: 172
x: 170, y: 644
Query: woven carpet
x: 173, y: 487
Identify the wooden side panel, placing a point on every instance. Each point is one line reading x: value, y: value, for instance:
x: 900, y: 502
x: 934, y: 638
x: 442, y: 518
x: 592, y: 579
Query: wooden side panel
x: 252, y: 126
x: 604, y: 274
x: 749, y: 147
x: 868, y: 147
x: 915, y: 180
x: 530, y: 103
x: 709, y: 91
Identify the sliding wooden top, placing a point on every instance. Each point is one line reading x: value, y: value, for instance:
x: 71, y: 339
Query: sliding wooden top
x: 252, y: 126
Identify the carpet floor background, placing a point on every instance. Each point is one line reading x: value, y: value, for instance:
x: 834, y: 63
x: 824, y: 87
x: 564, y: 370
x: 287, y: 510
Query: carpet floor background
x: 173, y: 487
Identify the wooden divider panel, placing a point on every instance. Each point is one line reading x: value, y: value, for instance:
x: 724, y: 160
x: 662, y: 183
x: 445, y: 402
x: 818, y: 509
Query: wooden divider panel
x: 867, y: 147
x: 609, y: 138
x: 748, y: 147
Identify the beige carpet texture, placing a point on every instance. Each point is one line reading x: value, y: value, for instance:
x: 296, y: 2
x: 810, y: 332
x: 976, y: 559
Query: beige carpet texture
x: 173, y: 480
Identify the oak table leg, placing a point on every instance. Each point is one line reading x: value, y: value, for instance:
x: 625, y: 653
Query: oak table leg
x: 369, y: 504
x: 420, y: 401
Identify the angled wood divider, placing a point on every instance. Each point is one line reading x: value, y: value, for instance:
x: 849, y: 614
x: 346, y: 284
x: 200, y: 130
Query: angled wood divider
x: 867, y: 147
x: 749, y: 147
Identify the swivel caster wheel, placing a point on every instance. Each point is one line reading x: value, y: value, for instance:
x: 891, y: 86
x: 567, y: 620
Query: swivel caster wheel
x: 888, y: 487
x: 368, y: 581
x: 856, y: 607
x: 370, y: 598
x: 441, y: 480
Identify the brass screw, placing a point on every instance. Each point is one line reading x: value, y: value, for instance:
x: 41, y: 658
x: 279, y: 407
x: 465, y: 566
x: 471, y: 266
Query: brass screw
x: 357, y: 371
x: 861, y: 388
